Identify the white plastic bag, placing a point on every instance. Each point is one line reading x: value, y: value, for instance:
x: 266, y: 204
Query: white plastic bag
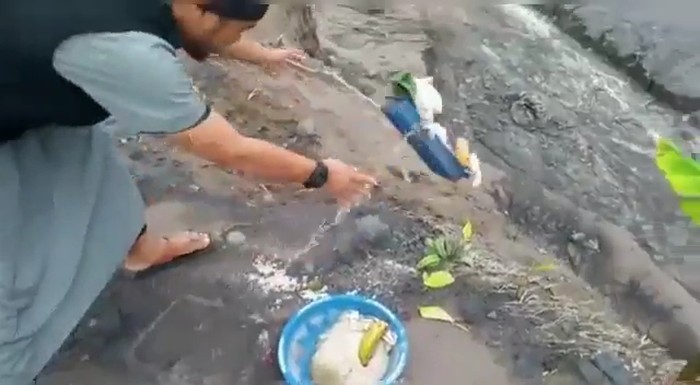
x: 436, y: 129
x: 475, y: 166
x: 428, y: 100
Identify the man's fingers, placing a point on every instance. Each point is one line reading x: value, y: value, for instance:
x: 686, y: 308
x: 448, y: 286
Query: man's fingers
x: 360, y: 178
x: 297, y: 55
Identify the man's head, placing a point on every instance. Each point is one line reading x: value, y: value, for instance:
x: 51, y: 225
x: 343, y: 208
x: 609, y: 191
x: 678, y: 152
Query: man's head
x: 207, y: 26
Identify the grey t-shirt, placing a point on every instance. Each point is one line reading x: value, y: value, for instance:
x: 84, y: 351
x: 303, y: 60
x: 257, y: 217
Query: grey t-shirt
x: 136, y: 77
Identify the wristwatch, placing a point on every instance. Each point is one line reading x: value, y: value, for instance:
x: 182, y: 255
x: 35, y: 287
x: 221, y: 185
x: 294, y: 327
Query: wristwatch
x: 318, y: 177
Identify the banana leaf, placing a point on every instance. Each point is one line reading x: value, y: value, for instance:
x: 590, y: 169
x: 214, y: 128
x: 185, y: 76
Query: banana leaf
x: 683, y: 174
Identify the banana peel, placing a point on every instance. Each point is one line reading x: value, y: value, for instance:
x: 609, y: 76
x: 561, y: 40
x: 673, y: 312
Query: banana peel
x: 462, y: 152
x: 370, y: 341
x: 468, y: 160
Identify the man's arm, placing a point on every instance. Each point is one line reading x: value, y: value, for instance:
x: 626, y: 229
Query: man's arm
x: 217, y: 141
x: 247, y: 49
x: 138, y: 79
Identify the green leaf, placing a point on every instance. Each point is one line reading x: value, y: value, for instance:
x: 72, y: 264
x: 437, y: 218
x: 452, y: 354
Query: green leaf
x: 467, y: 231
x: 314, y: 285
x: 545, y: 267
x: 429, y: 261
x: 438, y: 279
x: 404, y: 84
x: 440, y: 246
x: 435, y: 313
x: 683, y: 174
x: 691, y: 208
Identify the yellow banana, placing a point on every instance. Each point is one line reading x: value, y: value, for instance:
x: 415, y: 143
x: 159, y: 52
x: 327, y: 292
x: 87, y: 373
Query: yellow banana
x: 462, y: 152
x: 370, y: 341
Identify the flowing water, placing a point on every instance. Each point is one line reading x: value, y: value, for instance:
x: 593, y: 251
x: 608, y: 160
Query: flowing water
x: 322, y: 229
x: 656, y: 42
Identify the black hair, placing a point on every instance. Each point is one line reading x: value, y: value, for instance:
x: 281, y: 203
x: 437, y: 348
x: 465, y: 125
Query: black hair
x: 245, y: 10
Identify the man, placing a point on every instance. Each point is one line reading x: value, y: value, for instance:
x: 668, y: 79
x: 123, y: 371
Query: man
x: 70, y: 212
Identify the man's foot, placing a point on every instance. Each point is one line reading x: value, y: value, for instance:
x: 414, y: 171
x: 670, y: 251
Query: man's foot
x: 150, y: 252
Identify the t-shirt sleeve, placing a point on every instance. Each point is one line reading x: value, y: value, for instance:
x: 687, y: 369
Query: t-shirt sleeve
x: 136, y: 77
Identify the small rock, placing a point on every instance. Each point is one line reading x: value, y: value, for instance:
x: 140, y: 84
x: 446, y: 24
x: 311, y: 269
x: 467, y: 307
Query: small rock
x: 492, y: 315
x: 563, y: 378
x: 330, y: 60
x: 686, y: 135
x: 614, y: 368
x: 528, y: 364
x: 307, y: 126
x: 694, y: 119
x: 578, y: 237
x: 527, y: 110
x: 574, y: 257
x: 592, y: 244
x: 235, y: 238
x: 366, y: 88
x: 511, y: 231
x: 591, y: 374
x: 472, y: 309
x: 372, y: 229
x: 345, y: 247
x: 372, y: 73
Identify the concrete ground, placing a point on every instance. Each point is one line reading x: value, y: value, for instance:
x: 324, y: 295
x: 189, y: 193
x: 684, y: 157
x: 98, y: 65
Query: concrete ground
x: 208, y: 320
x: 201, y: 322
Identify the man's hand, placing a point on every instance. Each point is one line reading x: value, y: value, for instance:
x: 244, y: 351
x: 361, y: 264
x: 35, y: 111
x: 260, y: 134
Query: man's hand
x: 253, y: 52
x: 347, y: 184
x: 278, y: 57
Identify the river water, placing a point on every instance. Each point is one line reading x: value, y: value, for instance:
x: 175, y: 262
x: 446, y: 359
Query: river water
x: 655, y: 42
x: 538, y: 105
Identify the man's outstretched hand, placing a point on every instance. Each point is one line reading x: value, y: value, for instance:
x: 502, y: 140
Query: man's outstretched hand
x: 278, y: 58
x: 346, y: 184
x: 252, y: 51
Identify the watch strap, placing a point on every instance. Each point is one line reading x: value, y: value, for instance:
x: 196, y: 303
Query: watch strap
x: 318, y: 177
